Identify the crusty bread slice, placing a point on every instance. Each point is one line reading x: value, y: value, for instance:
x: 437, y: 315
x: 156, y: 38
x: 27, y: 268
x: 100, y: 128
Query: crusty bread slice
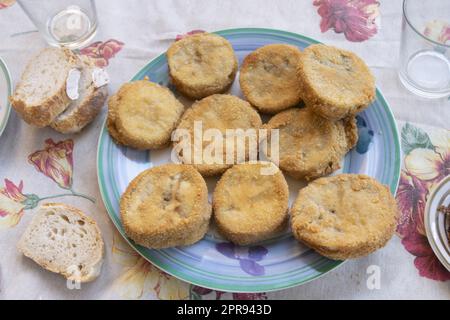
x: 62, y: 239
x: 41, y: 93
x: 82, y: 111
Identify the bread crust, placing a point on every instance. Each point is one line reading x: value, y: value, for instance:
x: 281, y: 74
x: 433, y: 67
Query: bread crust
x: 201, y: 65
x: 87, y: 111
x: 219, y: 111
x: 268, y: 78
x: 45, y: 113
x: 166, y: 206
x: 143, y: 114
x: 311, y: 146
x: 85, y: 114
x: 95, y: 267
x: 250, y: 206
x: 336, y: 83
x: 345, y: 216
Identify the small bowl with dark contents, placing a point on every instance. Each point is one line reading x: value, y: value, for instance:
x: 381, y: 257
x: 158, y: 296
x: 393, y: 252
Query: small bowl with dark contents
x: 437, y: 221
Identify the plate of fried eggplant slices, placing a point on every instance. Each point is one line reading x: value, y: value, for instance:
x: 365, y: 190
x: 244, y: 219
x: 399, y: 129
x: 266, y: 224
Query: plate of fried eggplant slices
x: 250, y: 160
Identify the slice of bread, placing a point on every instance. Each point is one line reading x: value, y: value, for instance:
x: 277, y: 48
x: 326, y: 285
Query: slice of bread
x: 41, y: 94
x: 62, y: 239
x: 82, y: 111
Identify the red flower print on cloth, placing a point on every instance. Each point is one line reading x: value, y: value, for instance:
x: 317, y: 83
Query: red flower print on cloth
x: 438, y: 31
x: 190, y: 33
x: 11, y: 204
x: 101, y: 52
x: 411, y: 199
x: 6, y: 3
x: 426, y: 262
x: 12, y: 191
x: 249, y: 296
x: 355, y: 18
x: 197, y: 293
x: 200, y: 293
x: 55, y: 161
x: 427, y: 161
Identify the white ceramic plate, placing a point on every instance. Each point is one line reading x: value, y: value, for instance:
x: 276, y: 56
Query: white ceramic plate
x: 5, y: 92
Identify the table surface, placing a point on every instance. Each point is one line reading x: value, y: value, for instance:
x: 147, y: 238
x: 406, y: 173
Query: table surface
x: 133, y: 32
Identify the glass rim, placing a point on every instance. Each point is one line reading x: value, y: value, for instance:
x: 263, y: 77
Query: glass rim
x: 405, y: 16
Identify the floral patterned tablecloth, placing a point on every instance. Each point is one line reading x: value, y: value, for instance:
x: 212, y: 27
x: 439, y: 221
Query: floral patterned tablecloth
x: 40, y: 165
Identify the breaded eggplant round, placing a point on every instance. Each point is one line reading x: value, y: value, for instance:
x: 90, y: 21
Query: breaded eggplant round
x: 166, y: 206
x: 310, y: 146
x: 268, y: 78
x: 201, y: 65
x: 336, y: 83
x: 345, y: 216
x: 143, y: 114
x: 220, y: 119
x: 250, y: 203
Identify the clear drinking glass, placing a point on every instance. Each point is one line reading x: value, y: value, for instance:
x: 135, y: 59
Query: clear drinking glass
x: 69, y: 23
x: 425, y: 48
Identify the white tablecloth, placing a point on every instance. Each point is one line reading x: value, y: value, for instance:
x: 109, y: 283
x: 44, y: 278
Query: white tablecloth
x: 146, y: 28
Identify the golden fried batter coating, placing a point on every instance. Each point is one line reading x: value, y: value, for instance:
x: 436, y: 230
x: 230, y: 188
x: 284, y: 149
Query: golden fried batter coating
x: 111, y: 121
x: 143, y: 114
x: 335, y: 83
x: 220, y: 112
x: 250, y: 206
x: 311, y: 146
x: 344, y: 216
x: 268, y: 78
x: 166, y: 206
x: 201, y: 65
